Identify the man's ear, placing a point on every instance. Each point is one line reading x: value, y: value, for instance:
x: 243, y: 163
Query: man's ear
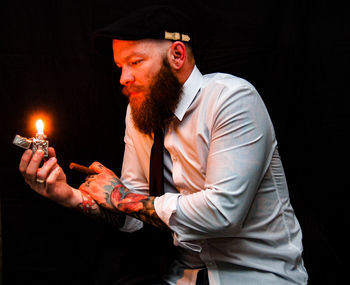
x: 177, y: 55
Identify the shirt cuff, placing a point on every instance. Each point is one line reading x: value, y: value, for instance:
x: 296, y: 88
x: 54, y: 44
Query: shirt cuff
x: 131, y: 225
x: 165, y: 206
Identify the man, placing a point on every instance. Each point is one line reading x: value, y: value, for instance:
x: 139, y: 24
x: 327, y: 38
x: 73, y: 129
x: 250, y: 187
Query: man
x: 226, y: 199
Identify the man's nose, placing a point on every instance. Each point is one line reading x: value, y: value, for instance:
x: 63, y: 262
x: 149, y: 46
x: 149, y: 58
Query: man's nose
x: 126, y: 77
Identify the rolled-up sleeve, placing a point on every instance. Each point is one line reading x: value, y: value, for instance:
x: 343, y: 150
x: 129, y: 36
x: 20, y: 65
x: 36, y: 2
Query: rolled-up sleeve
x: 241, y: 143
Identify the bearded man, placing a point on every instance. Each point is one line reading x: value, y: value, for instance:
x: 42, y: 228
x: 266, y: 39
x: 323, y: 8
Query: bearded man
x: 223, y: 197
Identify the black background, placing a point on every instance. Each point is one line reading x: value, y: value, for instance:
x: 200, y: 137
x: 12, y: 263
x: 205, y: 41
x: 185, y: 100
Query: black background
x: 296, y: 53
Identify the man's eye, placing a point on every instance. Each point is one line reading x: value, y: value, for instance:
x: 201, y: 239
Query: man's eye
x: 136, y: 61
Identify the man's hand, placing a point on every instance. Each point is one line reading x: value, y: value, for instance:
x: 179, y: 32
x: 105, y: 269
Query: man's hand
x: 47, y: 180
x: 108, y: 191
x: 99, y: 186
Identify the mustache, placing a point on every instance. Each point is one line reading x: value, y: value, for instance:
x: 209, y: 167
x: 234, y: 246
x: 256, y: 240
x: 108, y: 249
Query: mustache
x: 126, y: 90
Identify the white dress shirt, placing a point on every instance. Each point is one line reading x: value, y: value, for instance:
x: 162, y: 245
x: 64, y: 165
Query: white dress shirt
x: 226, y: 197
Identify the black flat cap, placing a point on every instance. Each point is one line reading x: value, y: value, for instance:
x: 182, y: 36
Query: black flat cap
x: 152, y: 22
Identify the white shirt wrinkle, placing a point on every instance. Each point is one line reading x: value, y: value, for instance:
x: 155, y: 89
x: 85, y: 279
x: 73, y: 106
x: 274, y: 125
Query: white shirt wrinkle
x: 223, y: 201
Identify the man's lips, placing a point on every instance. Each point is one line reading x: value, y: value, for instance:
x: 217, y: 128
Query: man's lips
x: 134, y: 94
x: 131, y: 91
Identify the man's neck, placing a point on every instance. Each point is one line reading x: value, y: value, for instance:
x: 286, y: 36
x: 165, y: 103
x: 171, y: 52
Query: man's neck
x: 185, y: 73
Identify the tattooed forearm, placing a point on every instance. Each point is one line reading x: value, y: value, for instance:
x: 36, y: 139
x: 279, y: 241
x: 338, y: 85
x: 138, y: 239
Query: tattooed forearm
x: 89, y: 207
x: 136, y: 205
x: 109, y: 193
x: 110, y: 217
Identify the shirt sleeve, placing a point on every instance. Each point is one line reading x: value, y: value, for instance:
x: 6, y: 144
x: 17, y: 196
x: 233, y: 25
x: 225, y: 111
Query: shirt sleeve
x: 133, y: 174
x: 241, y: 145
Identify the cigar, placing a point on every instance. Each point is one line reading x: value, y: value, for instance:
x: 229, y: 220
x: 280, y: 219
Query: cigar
x: 81, y: 168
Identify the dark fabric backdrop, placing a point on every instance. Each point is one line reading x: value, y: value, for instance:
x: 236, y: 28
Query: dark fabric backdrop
x: 295, y: 52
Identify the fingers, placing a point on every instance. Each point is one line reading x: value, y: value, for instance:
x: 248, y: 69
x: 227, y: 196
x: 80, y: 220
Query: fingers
x: 26, y: 157
x: 50, y: 165
x: 45, y: 177
x: 52, y: 178
x: 30, y: 173
x: 98, y: 167
x: 52, y: 152
x: 29, y: 167
x: 91, y: 177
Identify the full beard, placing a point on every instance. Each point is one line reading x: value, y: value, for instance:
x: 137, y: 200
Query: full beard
x: 155, y: 110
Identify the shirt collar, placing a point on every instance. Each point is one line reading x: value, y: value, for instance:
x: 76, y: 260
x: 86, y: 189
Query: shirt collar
x: 189, y: 91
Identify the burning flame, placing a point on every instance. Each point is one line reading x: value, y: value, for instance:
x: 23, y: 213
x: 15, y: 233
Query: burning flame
x: 40, y: 127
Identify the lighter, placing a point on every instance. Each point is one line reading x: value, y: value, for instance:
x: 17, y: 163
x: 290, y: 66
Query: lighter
x: 35, y: 143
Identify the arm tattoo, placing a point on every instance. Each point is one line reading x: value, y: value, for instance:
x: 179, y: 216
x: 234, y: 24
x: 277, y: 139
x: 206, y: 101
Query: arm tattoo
x: 136, y: 205
x: 89, y: 207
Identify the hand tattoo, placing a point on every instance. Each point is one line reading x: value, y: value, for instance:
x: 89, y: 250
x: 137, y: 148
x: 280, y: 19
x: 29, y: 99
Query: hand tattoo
x: 109, y: 192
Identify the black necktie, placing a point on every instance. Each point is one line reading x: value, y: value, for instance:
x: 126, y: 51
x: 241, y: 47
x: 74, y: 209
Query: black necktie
x: 162, y: 242
x: 156, y: 165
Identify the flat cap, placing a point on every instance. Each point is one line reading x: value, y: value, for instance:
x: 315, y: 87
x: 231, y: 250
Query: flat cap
x: 152, y: 22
